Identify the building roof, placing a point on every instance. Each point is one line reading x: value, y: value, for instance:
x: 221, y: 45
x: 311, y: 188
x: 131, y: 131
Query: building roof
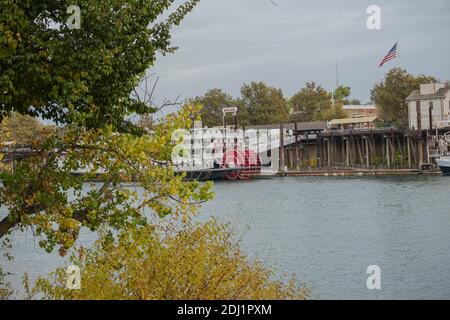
x: 353, y: 120
x: 301, y: 126
x: 440, y: 93
x: 359, y: 107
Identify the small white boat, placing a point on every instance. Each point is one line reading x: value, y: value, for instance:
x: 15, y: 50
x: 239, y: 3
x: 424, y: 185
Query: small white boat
x: 444, y: 165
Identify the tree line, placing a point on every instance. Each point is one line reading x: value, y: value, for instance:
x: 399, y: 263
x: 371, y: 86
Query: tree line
x: 260, y: 103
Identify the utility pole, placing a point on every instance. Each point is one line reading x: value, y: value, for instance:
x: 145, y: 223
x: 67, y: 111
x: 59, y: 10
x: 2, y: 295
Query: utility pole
x: 333, y: 100
x: 337, y: 73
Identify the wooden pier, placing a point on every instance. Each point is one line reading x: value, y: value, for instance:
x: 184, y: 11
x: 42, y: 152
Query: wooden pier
x: 320, y: 151
x: 357, y: 173
x: 371, y: 149
x: 313, y: 149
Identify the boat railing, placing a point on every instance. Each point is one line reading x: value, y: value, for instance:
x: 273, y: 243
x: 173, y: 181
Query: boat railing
x: 446, y: 139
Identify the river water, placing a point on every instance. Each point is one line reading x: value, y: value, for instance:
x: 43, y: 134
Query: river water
x: 327, y: 231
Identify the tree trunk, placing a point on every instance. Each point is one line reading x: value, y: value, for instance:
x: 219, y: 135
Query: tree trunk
x: 5, y: 226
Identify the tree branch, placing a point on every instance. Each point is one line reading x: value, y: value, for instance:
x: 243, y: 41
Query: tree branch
x: 5, y: 226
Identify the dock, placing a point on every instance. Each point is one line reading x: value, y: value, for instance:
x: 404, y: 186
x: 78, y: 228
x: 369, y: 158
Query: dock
x: 317, y: 150
x: 358, y: 173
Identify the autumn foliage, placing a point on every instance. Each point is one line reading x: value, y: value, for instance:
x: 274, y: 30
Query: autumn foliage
x: 199, y: 261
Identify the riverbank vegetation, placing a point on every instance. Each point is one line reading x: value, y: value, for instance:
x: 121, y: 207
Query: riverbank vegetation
x: 261, y: 104
x: 24, y: 130
x: 5, y: 287
x: 194, y: 261
x: 390, y: 94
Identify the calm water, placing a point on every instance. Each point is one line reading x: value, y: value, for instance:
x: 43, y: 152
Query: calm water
x: 328, y: 231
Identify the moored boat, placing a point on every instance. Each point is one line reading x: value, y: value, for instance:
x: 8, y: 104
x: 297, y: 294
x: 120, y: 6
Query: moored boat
x: 444, y: 165
x: 208, y: 174
x: 239, y: 164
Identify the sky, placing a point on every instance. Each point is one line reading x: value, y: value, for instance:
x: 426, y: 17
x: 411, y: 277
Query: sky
x: 225, y: 43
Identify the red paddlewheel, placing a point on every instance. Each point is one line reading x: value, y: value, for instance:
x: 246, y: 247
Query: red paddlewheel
x: 247, y: 163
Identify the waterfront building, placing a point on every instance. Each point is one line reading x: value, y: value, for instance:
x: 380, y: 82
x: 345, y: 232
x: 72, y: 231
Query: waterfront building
x: 429, y: 107
x: 361, y: 111
x: 355, y: 123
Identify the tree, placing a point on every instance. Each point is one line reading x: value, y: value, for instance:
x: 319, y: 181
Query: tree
x: 43, y: 194
x: 354, y: 102
x: 84, y: 79
x: 342, y: 93
x: 263, y: 104
x: 146, y: 122
x: 213, y: 102
x: 83, y: 76
x: 334, y: 113
x: 5, y: 288
x: 390, y: 94
x: 199, y: 262
x: 24, y: 130
x: 311, y: 102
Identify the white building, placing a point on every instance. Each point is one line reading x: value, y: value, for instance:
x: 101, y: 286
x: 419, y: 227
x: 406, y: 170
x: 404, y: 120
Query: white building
x: 429, y: 106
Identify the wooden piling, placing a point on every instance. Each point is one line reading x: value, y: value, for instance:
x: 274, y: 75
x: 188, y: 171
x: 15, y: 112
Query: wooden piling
x: 409, y: 151
x: 388, y: 157
x: 297, y: 164
x: 367, y: 153
x: 282, y: 162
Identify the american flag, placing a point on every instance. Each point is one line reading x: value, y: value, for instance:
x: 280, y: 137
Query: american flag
x: 391, y: 55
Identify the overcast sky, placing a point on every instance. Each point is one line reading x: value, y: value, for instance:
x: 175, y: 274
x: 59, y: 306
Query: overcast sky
x: 225, y: 43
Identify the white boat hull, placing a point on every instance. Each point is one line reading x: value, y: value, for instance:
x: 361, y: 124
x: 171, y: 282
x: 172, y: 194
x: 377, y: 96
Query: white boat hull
x: 444, y: 165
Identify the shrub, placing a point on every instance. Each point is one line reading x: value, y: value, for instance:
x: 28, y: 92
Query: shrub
x: 200, y: 261
x: 5, y: 287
